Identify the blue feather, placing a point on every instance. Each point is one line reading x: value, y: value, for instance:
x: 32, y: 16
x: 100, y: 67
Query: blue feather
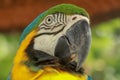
x: 9, y: 77
x: 89, y: 78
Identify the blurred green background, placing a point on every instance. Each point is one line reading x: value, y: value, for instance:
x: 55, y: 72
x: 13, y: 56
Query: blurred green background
x: 102, y: 62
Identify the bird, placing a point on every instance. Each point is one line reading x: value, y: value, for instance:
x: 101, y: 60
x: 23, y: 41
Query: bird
x: 54, y: 46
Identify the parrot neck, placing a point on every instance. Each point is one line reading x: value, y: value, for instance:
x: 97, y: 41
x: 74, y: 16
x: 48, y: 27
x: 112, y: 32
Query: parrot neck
x: 19, y: 68
x: 21, y: 51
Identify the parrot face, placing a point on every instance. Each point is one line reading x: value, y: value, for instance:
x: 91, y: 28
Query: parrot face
x: 58, y: 37
x: 64, y: 36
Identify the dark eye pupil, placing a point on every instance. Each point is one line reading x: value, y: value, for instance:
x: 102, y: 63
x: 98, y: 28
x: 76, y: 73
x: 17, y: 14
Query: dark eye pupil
x: 49, y: 19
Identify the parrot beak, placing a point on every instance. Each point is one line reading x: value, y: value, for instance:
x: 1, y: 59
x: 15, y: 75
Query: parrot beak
x: 79, y: 39
x: 74, y: 46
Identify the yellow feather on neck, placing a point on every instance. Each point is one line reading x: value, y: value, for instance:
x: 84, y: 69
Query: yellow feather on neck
x: 20, y: 71
x: 49, y: 73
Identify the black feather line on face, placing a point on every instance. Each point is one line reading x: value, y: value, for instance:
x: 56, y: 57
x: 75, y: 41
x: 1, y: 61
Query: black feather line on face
x: 54, y: 33
x: 59, y: 19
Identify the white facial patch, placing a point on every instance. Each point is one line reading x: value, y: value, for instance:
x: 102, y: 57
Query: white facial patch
x: 47, y: 43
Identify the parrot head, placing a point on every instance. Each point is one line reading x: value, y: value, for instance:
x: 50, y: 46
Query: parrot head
x: 61, y: 33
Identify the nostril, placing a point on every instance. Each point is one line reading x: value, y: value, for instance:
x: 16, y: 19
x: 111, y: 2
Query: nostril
x: 74, y: 18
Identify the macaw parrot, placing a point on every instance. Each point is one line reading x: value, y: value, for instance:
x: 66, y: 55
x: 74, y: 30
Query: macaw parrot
x: 54, y: 46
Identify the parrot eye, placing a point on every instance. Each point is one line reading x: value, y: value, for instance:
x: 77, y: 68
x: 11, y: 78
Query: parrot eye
x: 49, y: 20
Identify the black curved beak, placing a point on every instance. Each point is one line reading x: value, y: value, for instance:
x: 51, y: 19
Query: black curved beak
x: 75, y: 45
